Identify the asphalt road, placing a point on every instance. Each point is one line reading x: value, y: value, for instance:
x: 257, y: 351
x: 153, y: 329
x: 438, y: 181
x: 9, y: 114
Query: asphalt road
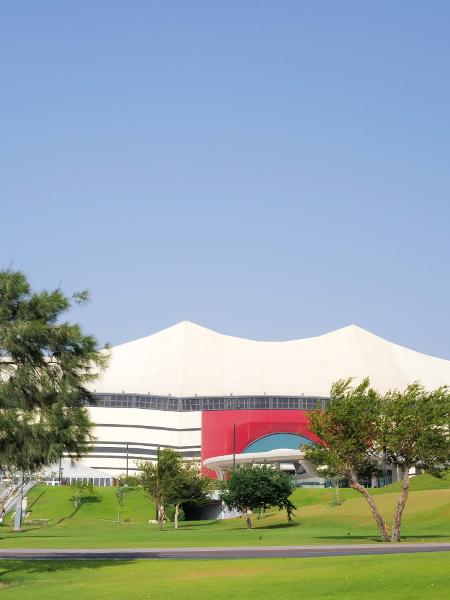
x: 219, y: 552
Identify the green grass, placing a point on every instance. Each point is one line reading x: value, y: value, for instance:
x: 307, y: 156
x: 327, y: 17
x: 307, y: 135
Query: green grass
x: 394, y: 577
x: 308, y: 496
x: 57, y: 505
x: 318, y: 521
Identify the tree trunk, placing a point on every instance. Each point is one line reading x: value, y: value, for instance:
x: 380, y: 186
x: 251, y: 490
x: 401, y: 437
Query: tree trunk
x: 177, y: 510
x: 248, y: 519
x: 382, y: 527
x: 336, y: 494
x: 400, y: 507
x: 161, y: 515
x: 18, y: 515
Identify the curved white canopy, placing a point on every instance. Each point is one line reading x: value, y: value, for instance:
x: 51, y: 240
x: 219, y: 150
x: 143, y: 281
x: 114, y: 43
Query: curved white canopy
x: 270, y: 457
x: 188, y: 360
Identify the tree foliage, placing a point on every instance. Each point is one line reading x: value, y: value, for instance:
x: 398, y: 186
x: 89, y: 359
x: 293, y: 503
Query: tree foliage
x: 257, y: 488
x: 360, y: 428
x: 46, y: 364
x: 172, y: 481
x: 416, y: 428
x: 130, y: 479
x: 189, y: 486
x: 82, y: 490
x: 157, y: 478
x: 350, y: 429
x: 416, y: 433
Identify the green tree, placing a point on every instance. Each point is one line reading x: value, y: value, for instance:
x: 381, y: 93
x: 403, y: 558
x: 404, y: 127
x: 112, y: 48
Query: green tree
x: 350, y: 428
x: 45, y: 366
x: 329, y: 471
x: 257, y: 488
x: 189, y: 486
x: 158, y: 479
x: 82, y: 490
x: 130, y: 480
x: 416, y: 433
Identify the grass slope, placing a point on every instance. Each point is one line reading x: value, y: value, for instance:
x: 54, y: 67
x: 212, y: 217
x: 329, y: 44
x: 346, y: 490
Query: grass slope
x: 56, y: 504
x: 389, y: 577
x: 427, y: 517
x: 308, y: 496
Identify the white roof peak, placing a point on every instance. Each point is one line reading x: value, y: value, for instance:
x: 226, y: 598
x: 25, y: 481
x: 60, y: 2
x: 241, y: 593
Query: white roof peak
x: 191, y: 325
x: 187, y: 359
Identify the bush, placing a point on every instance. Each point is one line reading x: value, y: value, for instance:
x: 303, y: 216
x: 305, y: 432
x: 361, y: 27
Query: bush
x: 170, y: 513
x: 129, y: 480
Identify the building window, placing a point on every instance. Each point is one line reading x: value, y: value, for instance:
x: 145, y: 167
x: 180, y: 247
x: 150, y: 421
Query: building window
x: 278, y: 441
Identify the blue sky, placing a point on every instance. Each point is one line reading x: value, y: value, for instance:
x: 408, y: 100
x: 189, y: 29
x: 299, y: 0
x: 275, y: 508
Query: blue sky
x: 271, y: 170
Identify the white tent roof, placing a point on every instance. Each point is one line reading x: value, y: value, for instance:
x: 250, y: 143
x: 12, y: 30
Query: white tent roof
x: 79, y: 469
x: 187, y: 360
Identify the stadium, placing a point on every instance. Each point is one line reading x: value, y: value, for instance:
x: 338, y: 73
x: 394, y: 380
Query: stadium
x: 218, y: 398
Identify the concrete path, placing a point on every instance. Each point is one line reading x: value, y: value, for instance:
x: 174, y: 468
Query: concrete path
x: 220, y: 552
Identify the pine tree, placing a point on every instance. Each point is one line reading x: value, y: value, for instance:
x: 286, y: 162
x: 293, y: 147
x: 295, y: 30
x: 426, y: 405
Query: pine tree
x: 45, y: 366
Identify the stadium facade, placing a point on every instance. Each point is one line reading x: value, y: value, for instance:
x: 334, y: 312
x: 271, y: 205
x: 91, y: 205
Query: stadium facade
x: 206, y: 394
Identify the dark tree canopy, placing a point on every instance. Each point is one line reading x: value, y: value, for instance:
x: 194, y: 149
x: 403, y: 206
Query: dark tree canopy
x: 257, y: 488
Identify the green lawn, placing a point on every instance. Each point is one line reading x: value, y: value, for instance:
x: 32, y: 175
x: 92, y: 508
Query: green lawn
x: 56, y: 503
x: 394, y: 577
x: 317, y: 521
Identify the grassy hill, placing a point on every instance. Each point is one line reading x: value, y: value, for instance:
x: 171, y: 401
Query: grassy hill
x: 93, y: 524
x: 57, y: 505
x: 308, y: 496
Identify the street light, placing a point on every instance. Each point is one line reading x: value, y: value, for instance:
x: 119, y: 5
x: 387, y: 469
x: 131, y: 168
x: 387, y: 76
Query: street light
x: 234, y: 446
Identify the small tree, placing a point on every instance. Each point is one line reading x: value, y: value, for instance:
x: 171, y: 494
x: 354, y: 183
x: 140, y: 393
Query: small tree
x: 258, y: 488
x: 416, y: 433
x: 158, y: 479
x: 330, y: 472
x: 119, y: 498
x: 130, y: 480
x: 82, y: 490
x: 350, y: 428
x: 189, y: 486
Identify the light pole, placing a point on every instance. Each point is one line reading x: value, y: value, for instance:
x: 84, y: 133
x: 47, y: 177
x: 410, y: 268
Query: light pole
x: 234, y: 446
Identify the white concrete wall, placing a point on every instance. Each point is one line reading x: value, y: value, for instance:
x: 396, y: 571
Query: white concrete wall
x: 143, y: 430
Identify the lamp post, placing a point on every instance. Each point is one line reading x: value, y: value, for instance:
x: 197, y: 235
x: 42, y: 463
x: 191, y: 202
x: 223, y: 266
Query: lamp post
x: 157, y: 475
x: 234, y: 446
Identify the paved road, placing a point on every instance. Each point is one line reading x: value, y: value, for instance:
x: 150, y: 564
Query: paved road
x: 222, y: 552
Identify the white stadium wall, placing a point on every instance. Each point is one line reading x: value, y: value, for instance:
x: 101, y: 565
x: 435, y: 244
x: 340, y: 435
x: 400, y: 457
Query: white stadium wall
x: 143, y: 431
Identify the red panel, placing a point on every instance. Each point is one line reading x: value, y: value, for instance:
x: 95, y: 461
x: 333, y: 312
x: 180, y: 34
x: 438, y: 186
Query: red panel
x: 217, y: 429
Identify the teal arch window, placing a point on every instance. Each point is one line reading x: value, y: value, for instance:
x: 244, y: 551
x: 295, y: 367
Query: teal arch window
x: 275, y: 441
